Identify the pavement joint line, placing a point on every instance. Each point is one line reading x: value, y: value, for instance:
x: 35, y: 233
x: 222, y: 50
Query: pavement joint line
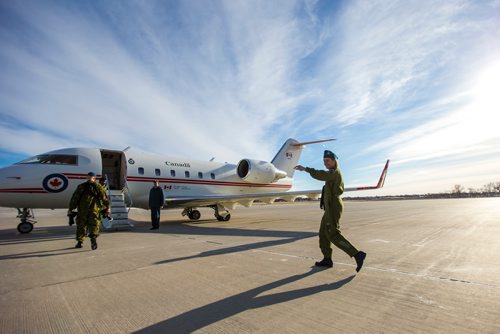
x: 214, y: 242
x: 283, y: 254
x: 78, y: 279
x: 437, y: 278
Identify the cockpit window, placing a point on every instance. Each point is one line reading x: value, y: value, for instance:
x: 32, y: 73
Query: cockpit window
x: 52, y: 159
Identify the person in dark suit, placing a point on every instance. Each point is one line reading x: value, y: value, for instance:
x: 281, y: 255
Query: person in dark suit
x: 156, y: 201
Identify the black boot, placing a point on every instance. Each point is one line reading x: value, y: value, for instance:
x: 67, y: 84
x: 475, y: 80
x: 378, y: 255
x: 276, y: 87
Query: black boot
x: 93, y: 242
x: 78, y: 244
x: 360, y: 258
x: 324, y: 263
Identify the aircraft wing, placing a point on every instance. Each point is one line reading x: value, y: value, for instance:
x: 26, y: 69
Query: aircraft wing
x: 247, y: 200
x: 230, y: 201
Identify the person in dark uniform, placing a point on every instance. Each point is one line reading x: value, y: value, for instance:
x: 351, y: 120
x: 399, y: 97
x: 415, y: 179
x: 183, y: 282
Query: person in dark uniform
x: 90, y: 199
x: 156, y: 201
x: 331, y: 202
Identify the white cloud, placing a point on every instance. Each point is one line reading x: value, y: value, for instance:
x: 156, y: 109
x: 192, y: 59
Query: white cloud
x: 85, y: 84
x: 383, y: 56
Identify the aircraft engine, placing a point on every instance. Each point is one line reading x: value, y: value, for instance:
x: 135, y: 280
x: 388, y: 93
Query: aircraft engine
x: 256, y: 171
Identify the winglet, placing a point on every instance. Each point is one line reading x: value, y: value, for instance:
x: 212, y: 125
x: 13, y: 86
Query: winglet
x: 313, y: 142
x: 380, y: 183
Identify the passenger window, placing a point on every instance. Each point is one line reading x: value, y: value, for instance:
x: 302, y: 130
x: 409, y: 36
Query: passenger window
x: 200, y: 175
x: 172, y: 173
x: 186, y: 173
x: 212, y: 175
x: 157, y: 172
x: 140, y: 170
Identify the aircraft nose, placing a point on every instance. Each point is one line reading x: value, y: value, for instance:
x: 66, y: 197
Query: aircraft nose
x: 8, y: 177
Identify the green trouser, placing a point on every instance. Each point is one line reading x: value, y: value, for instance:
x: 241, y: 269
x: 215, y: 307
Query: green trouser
x: 86, y: 227
x: 329, y: 232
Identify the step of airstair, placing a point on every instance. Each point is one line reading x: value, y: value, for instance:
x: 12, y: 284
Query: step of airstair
x: 119, y: 212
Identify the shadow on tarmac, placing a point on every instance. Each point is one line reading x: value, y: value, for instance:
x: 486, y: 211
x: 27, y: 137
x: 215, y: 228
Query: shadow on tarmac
x: 50, y: 233
x: 47, y: 253
x: 211, y: 313
x: 11, y: 236
x: 278, y: 238
x: 42, y: 234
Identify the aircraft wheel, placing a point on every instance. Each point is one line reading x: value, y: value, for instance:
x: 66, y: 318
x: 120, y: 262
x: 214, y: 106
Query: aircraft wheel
x: 223, y: 219
x: 25, y: 227
x: 194, y: 215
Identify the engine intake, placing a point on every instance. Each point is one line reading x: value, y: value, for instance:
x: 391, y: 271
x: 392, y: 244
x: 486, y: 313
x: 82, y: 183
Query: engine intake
x: 256, y: 171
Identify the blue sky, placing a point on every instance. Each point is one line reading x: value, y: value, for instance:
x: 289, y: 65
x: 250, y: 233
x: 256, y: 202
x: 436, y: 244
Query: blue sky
x: 414, y: 81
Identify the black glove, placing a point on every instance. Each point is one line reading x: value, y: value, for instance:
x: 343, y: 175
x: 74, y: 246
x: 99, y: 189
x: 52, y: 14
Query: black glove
x: 104, y: 214
x: 71, y: 218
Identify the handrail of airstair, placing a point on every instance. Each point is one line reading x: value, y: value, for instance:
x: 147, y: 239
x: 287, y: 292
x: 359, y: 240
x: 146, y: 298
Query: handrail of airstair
x: 126, y: 192
x: 107, y: 186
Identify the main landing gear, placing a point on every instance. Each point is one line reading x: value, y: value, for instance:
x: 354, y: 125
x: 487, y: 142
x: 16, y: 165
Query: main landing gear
x: 221, y: 213
x: 27, y: 220
x: 223, y: 218
x: 191, y: 213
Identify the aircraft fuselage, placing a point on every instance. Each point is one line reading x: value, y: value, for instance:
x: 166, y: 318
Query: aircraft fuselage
x: 49, y: 180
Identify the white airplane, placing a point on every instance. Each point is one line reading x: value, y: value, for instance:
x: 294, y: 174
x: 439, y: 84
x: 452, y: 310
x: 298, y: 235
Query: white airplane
x: 48, y: 180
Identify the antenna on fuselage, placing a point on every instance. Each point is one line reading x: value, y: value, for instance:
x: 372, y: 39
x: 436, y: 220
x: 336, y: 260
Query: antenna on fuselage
x: 213, y: 158
x: 126, y: 148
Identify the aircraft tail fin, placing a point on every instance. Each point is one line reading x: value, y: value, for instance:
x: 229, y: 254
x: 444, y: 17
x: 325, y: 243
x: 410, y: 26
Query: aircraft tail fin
x: 289, y: 154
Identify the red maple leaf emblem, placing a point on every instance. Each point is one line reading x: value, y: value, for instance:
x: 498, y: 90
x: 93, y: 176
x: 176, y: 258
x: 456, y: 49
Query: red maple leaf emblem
x: 55, y: 183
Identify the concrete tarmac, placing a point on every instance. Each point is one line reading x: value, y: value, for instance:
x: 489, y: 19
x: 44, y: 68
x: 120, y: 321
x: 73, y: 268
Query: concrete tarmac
x: 433, y: 266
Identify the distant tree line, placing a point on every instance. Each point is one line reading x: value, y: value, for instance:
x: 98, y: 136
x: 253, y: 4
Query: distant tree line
x: 491, y: 189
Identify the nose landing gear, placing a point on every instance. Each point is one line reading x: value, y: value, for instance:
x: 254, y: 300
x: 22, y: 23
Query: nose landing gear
x: 27, y: 218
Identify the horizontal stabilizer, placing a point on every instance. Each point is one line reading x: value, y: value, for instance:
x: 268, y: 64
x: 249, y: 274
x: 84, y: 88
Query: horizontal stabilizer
x: 313, y: 142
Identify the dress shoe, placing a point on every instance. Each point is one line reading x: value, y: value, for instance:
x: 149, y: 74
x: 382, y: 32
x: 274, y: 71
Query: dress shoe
x: 324, y: 263
x: 360, y: 258
x: 93, y: 242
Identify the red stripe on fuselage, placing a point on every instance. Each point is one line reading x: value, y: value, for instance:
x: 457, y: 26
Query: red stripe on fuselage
x: 23, y: 190
x: 77, y: 176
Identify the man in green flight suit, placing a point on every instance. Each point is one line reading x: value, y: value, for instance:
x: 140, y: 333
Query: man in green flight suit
x: 90, y: 199
x: 329, y: 231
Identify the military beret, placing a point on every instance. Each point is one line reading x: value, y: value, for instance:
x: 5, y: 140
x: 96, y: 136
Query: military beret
x: 330, y: 154
x: 90, y: 174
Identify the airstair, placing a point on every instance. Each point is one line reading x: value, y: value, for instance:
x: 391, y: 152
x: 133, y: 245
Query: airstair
x: 119, y: 211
